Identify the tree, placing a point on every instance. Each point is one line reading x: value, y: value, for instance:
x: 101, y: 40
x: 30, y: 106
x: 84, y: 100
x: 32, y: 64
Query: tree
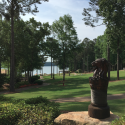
x: 52, y: 49
x: 111, y: 11
x: 67, y: 36
x: 13, y: 10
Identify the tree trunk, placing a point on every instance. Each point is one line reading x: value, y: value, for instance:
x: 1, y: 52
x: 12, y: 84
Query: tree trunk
x: 12, y: 75
x: 57, y: 69
x: 0, y: 66
x: 118, y: 61
x: 84, y: 61
x: 51, y: 63
x: 71, y: 66
x: 8, y: 68
x: 83, y: 65
x: 28, y: 75
x: 108, y: 56
x: 25, y: 75
x: 32, y: 73
x: 63, y: 63
x: 87, y: 63
x: 15, y: 73
x: 69, y: 72
x: 53, y: 69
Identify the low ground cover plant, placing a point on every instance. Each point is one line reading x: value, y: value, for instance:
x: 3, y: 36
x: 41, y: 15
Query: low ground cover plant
x: 3, y: 79
x: 120, y: 121
x: 39, y: 82
x: 26, y: 84
x: 29, y: 111
x: 34, y: 78
x: 17, y: 85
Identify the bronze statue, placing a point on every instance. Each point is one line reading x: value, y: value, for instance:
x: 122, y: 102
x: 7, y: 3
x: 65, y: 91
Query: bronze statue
x: 99, y: 80
x: 99, y: 84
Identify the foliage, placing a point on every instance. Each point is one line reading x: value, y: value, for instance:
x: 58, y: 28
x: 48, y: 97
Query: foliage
x: 65, y: 33
x: 34, y: 78
x: 39, y: 82
x: 2, y: 79
x: 17, y: 85
x: 31, y: 111
x: 120, y: 121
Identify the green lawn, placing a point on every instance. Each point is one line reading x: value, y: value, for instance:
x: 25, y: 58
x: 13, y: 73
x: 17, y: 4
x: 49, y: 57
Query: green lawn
x: 76, y: 86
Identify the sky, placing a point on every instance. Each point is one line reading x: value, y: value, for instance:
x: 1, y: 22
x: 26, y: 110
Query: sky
x: 52, y: 10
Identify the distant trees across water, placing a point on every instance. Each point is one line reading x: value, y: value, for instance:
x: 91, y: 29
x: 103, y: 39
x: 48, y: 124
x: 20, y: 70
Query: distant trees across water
x: 49, y: 64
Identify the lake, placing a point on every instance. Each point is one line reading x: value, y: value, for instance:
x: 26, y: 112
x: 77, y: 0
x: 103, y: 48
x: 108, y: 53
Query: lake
x: 47, y: 70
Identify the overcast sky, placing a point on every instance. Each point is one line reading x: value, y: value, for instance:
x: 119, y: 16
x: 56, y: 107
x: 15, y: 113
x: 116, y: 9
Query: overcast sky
x: 52, y: 10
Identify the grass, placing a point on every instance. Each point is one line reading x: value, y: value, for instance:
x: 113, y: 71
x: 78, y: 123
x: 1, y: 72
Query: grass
x: 76, y: 86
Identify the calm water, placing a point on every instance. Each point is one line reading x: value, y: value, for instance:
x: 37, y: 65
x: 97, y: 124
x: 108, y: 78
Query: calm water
x: 47, y: 70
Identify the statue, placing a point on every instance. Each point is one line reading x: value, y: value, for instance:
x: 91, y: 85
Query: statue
x: 99, y: 84
x: 99, y: 80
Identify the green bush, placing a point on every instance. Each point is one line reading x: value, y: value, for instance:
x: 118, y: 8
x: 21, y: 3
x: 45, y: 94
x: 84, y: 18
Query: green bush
x: 17, y: 85
x: 7, y: 79
x: 120, y: 121
x: 2, y: 79
x: 34, y: 78
x: 37, y: 100
x: 39, y: 82
x: 24, y: 112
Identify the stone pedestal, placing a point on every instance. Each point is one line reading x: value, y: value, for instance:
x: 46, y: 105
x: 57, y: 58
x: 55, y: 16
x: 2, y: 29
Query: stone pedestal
x: 98, y: 112
x: 82, y: 118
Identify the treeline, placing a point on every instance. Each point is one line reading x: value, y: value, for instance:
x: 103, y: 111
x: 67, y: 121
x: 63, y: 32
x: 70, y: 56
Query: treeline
x: 24, y: 44
x: 30, y: 42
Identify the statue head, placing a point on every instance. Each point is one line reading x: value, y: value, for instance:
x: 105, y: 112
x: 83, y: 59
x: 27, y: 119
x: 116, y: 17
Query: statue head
x: 101, y: 67
x: 99, y: 79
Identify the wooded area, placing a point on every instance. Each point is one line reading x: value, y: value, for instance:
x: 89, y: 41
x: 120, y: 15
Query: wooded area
x: 23, y: 44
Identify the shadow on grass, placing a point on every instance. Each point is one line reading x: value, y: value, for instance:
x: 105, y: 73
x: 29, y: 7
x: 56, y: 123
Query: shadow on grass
x: 116, y: 87
x: 64, y: 95
x: 116, y: 106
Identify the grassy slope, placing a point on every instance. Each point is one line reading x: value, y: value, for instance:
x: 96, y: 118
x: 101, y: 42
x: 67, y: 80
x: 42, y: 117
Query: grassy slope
x: 76, y: 86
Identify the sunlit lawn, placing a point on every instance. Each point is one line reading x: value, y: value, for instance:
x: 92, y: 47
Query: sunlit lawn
x: 76, y: 86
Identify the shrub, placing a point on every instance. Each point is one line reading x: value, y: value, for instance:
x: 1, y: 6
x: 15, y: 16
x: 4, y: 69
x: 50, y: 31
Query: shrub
x: 18, y: 79
x: 2, y: 79
x: 24, y: 112
x: 17, y: 85
x: 39, y: 82
x: 37, y: 100
x: 120, y: 121
x: 7, y: 79
x: 34, y: 78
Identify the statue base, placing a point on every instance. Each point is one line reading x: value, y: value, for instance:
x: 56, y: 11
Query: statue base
x: 98, y: 112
